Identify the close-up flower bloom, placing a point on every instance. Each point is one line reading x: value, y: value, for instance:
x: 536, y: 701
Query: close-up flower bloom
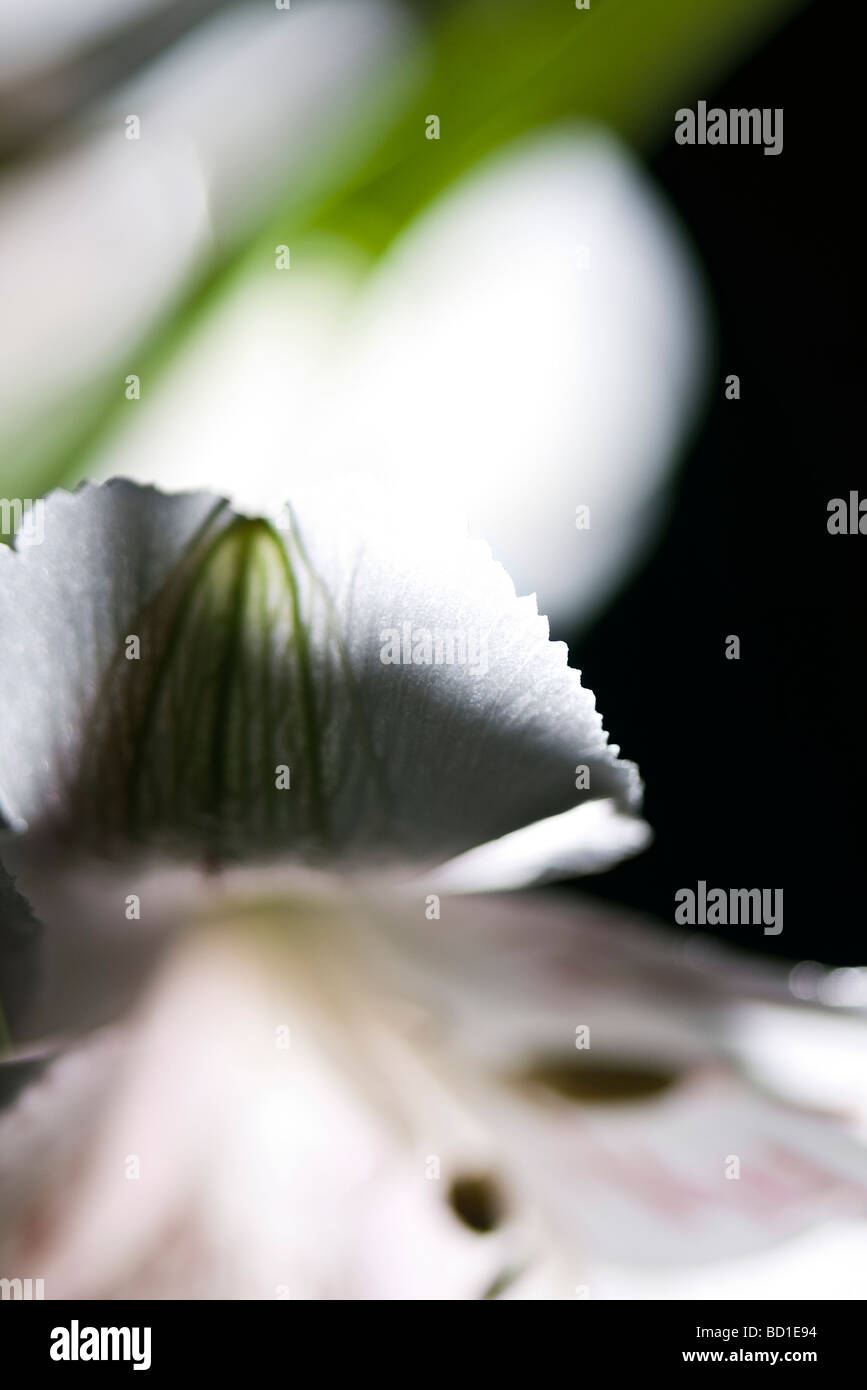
x: 429, y: 705
x: 269, y: 752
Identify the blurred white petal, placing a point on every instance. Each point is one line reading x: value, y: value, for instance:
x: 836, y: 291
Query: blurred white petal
x: 96, y: 242
x: 534, y: 343
x: 42, y: 33
x: 619, y: 1105
x: 245, y: 406
x: 93, y: 244
x: 485, y: 366
x: 304, y: 1170
x: 272, y: 98
x: 260, y: 1171
x: 658, y: 1183
x: 815, y: 1056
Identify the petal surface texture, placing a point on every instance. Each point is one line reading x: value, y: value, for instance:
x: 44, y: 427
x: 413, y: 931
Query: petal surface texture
x: 355, y: 682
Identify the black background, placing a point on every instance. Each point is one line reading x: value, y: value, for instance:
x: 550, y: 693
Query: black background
x: 755, y: 768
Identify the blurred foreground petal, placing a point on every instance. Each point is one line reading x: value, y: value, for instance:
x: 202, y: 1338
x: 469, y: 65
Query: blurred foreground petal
x: 324, y: 1099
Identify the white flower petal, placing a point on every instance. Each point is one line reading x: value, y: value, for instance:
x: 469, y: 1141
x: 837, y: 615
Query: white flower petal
x: 484, y: 367
x: 710, y: 1170
x: 575, y: 842
x: 67, y: 605
x: 246, y: 404
x: 533, y: 343
x: 205, y: 1159
x: 325, y: 1167
x: 41, y: 35
x: 317, y: 87
x: 379, y: 663
x: 598, y: 1054
x: 139, y: 216
x: 120, y: 204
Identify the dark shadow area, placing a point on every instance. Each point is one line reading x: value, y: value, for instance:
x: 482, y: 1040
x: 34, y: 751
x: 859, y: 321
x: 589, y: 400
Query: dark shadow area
x: 754, y: 767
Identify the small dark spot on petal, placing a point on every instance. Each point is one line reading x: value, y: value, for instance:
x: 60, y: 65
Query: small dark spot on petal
x: 476, y: 1200
x: 595, y: 1083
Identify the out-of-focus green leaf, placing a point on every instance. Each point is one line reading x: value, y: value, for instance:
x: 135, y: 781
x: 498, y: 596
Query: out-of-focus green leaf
x: 498, y: 67
x: 501, y: 68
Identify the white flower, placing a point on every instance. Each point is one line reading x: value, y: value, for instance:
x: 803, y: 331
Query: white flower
x: 338, y: 1084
